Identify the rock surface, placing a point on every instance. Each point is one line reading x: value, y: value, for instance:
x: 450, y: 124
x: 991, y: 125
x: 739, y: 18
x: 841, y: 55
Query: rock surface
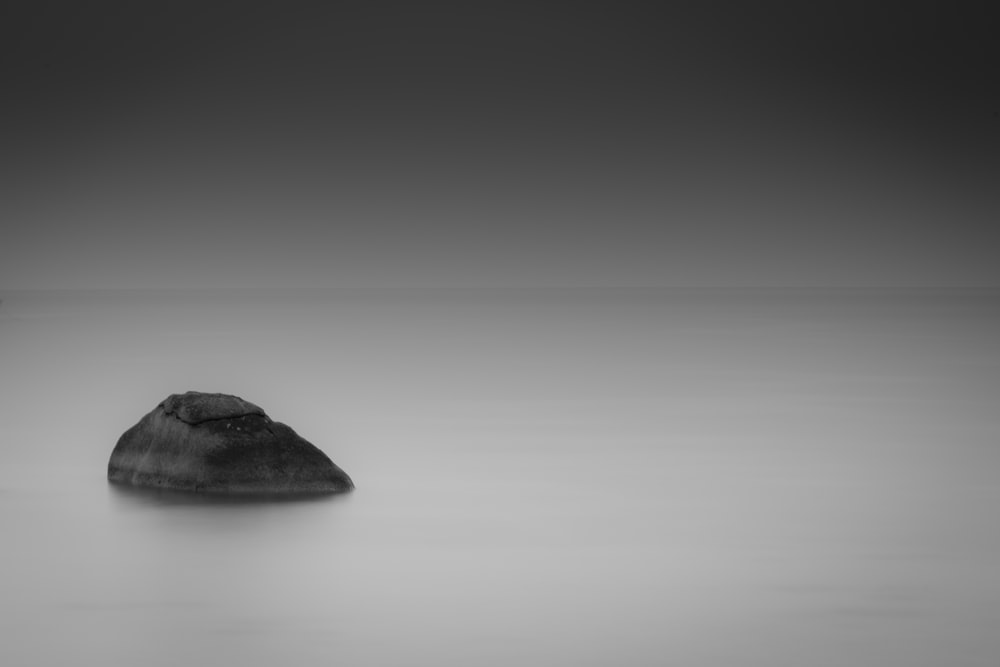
x: 220, y: 443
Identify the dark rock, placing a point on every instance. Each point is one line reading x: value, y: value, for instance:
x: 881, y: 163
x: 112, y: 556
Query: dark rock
x: 220, y: 443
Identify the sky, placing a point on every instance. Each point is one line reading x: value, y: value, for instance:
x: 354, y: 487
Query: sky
x: 234, y: 144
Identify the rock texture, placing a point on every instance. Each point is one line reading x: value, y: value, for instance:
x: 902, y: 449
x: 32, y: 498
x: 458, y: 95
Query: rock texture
x: 220, y: 443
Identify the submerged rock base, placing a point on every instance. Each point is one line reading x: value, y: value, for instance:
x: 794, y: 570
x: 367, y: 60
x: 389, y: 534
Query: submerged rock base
x: 217, y: 443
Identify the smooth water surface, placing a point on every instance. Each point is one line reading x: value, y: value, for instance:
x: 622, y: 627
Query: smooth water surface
x: 554, y: 477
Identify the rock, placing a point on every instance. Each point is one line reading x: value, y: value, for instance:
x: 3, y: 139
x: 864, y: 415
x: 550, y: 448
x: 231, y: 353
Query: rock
x: 220, y: 443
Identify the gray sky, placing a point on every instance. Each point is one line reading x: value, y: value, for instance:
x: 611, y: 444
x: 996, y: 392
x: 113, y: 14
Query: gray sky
x: 368, y: 143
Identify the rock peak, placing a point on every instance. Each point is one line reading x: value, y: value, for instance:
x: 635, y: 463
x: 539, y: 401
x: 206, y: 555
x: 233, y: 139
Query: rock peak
x: 195, y: 407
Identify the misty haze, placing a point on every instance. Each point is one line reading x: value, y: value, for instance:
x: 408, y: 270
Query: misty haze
x: 649, y: 333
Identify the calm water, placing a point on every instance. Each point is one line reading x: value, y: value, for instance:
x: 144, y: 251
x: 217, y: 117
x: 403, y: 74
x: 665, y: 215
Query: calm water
x: 544, y: 478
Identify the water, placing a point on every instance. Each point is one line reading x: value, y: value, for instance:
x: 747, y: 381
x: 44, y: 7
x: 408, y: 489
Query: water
x: 636, y: 477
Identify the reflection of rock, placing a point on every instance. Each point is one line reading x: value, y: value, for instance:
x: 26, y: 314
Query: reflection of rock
x: 220, y: 443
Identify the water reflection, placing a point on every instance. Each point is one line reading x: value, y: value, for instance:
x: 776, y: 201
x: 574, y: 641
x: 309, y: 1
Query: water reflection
x: 141, y: 495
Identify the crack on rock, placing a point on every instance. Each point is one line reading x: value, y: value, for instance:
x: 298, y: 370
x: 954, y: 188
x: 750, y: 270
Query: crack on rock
x: 206, y: 420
